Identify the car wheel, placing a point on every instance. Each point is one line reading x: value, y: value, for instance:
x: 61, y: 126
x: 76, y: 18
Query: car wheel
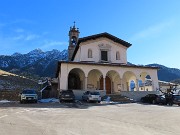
x: 21, y: 102
x: 178, y: 104
x: 154, y: 102
x: 99, y: 101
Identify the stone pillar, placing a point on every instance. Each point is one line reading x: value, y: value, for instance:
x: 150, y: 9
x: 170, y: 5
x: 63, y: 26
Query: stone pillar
x: 121, y: 85
x: 128, y: 87
x: 104, y: 84
x: 64, y: 77
x: 86, y: 78
x: 153, y: 88
x: 137, y: 84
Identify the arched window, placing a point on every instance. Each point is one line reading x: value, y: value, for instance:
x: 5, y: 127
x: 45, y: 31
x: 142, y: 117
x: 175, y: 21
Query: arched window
x: 89, y: 53
x: 117, y: 56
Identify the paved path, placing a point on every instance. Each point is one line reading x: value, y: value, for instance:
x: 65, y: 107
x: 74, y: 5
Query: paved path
x: 88, y: 119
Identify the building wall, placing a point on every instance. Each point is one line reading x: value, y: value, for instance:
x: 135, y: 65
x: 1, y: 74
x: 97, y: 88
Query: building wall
x: 125, y: 74
x: 96, y: 46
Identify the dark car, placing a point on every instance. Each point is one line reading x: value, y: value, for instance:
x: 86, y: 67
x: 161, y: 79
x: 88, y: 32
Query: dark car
x: 28, y: 95
x: 150, y: 98
x: 66, y: 95
x: 176, y: 99
x: 92, y: 96
x: 161, y: 99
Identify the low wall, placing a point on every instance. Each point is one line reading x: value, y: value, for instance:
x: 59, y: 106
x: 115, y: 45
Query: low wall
x: 78, y: 93
x: 136, y: 95
x: 9, y: 95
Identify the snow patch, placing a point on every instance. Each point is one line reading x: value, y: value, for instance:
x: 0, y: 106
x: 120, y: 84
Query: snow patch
x: 4, y: 101
x: 49, y: 100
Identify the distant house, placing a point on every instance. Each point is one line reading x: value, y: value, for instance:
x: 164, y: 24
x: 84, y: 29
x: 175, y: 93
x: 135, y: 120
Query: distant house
x: 166, y: 86
x: 99, y: 62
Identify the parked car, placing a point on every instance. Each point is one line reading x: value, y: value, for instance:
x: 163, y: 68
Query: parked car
x: 150, y: 98
x: 161, y: 99
x: 176, y: 99
x: 66, y: 95
x: 28, y: 95
x: 92, y: 96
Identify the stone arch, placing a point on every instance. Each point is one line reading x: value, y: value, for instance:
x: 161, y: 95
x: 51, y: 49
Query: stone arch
x: 128, y: 76
x: 146, y: 81
x: 132, y: 85
x: 93, y: 80
x: 76, y: 79
x: 115, y: 80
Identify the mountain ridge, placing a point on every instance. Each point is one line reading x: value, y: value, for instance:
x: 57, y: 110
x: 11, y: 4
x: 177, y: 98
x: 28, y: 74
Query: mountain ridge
x: 35, y: 62
x: 43, y: 64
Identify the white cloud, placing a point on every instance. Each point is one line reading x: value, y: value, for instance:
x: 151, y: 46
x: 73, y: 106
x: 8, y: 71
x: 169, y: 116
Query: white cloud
x: 19, y: 30
x: 50, y: 44
x: 152, y: 31
x: 19, y: 37
x: 31, y: 37
x: 24, y: 21
x: 24, y: 37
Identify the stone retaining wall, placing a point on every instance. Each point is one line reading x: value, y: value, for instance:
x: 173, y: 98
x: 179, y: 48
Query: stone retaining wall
x: 9, y: 95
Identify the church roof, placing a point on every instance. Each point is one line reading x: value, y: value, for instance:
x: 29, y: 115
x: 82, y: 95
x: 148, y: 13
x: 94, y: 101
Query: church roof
x: 96, y: 36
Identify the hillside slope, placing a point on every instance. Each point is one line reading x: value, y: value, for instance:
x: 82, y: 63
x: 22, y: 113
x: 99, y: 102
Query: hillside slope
x: 166, y: 73
x: 13, y: 82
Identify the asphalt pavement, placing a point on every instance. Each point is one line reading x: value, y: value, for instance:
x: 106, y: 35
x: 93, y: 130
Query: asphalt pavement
x: 88, y: 119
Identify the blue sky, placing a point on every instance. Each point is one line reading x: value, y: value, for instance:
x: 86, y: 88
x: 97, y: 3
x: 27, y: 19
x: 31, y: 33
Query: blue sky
x: 151, y: 26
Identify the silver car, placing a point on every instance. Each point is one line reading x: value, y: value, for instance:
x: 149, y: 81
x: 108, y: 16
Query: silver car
x: 92, y: 96
x: 28, y: 95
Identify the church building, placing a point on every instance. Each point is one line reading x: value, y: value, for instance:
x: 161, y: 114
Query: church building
x: 99, y: 63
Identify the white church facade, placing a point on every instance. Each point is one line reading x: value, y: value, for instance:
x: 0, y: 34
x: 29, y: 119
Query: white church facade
x: 99, y: 62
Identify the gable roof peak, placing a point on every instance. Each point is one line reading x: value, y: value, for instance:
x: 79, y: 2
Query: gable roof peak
x: 107, y: 35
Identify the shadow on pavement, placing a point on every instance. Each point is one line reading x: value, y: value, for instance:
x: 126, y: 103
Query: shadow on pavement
x: 75, y: 105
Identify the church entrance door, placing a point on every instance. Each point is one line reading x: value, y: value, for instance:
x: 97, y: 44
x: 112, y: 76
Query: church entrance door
x: 108, y: 84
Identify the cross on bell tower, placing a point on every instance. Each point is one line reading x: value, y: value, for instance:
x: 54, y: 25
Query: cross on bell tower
x: 73, y: 40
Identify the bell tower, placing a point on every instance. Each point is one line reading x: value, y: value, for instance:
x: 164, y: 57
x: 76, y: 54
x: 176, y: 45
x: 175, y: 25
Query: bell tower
x: 73, y: 40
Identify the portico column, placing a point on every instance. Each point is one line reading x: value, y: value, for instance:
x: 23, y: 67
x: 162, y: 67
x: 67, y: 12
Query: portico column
x: 137, y: 84
x: 86, y: 78
x: 64, y: 77
x: 104, y: 83
x: 152, y: 83
x: 121, y: 85
x: 127, y: 85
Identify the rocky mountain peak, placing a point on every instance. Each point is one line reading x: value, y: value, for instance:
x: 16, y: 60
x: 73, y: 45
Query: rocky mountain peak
x: 44, y: 64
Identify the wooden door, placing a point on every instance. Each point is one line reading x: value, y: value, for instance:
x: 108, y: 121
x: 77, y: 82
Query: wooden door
x: 108, y: 84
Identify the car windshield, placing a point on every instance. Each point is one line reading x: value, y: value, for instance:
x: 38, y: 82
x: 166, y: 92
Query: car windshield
x: 95, y: 93
x: 29, y: 92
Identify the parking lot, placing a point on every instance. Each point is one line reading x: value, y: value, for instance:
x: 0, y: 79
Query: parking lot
x: 88, y: 119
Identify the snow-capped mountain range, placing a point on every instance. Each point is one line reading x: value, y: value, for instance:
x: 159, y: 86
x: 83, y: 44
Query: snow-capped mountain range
x: 35, y: 62
x: 44, y: 64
